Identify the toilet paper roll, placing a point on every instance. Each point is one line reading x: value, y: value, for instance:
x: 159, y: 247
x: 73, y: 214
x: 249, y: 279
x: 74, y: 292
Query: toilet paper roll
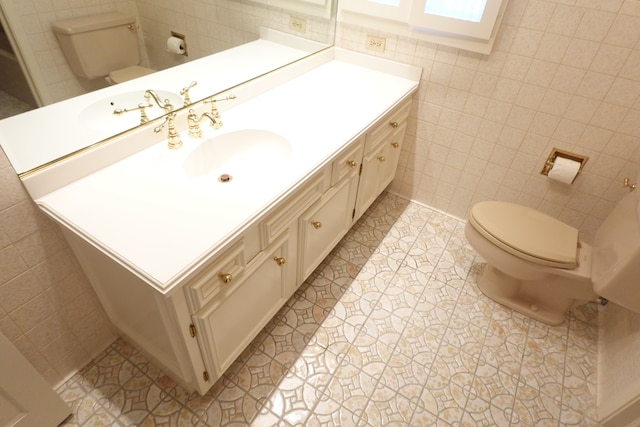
x: 175, y: 45
x: 564, y: 170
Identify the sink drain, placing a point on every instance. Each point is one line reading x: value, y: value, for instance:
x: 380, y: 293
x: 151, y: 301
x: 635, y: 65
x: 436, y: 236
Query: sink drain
x: 225, y: 177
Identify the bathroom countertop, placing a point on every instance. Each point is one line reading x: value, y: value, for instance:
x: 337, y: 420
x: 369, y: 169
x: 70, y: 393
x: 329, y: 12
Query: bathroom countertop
x: 160, y: 222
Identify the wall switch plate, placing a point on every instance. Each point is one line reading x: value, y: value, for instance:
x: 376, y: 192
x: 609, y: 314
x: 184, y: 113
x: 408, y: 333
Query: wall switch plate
x: 375, y: 43
x: 298, y: 24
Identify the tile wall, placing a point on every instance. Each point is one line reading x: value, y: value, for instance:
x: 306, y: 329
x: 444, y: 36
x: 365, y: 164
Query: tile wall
x: 214, y: 26
x: 564, y: 73
x: 47, y: 308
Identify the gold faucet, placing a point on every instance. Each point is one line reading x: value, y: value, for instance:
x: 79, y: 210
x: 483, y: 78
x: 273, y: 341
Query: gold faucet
x: 194, y: 123
x: 150, y: 94
x: 185, y: 93
x: 215, y: 114
x: 143, y: 114
x: 174, y: 138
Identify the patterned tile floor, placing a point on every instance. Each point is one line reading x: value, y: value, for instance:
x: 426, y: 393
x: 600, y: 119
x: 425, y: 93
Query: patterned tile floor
x: 390, y: 330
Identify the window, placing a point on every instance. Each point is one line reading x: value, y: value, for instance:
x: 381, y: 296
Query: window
x: 465, y: 24
x: 460, y: 9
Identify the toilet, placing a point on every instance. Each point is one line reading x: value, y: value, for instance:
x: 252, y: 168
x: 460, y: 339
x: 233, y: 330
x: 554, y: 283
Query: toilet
x: 539, y: 267
x: 102, y: 46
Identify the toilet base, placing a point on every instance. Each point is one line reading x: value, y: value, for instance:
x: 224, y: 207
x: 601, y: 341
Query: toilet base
x: 539, y: 299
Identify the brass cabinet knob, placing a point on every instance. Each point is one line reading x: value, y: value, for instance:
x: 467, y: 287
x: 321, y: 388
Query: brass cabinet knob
x: 394, y: 124
x: 226, y: 277
x: 316, y: 224
x: 628, y: 184
x: 279, y: 260
x: 352, y: 163
x: 395, y: 145
x: 382, y: 159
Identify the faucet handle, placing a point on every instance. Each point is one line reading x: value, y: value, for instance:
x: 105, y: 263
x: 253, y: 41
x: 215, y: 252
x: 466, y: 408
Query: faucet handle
x: 214, y: 108
x: 185, y: 93
x: 143, y: 114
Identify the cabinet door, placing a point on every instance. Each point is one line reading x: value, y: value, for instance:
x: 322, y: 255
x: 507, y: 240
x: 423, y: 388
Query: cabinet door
x: 227, y: 325
x: 324, y: 224
x: 381, y: 158
x: 390, y: 156
x: 369, y: 180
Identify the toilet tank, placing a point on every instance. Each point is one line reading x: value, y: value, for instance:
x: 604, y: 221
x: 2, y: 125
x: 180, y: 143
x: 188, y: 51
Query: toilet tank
x: 615, y: 269
x: 98, y: 44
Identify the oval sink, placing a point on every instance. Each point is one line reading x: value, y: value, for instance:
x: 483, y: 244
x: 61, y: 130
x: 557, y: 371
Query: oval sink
x: 100, y: 116
x: 238, y: 152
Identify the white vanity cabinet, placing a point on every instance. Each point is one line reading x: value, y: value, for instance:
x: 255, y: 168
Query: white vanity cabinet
x: 381, y: 154
x: 188, y: 269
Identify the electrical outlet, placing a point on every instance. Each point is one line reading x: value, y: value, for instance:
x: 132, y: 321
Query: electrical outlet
x: 297, y: 24
x: 375, y: 43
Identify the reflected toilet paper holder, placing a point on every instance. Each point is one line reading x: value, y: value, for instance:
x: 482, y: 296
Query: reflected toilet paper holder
x: 555, y: 153
x: 184, y: 41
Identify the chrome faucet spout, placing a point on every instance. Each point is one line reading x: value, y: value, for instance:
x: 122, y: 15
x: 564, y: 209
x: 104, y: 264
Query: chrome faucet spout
x: 150, y: 94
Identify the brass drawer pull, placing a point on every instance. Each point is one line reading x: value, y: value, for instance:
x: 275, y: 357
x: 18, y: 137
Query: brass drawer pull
x: 395, y: 145
x: 394, y: 124
x: 382, y: 159
x: 351, y: 163
x: 316, y: 224
x: 226, y: 277
x: 279, y: 260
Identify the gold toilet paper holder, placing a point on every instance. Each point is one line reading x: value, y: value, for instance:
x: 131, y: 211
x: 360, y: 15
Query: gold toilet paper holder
x: 555, y: 153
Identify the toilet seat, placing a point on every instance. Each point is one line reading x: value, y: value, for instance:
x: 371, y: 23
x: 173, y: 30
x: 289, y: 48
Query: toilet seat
x: 129, y: 73
x: 526, y: 233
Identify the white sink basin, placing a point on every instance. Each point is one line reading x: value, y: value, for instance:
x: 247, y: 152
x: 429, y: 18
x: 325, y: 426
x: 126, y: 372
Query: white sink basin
x: 238, y: 153
x: 100, y: 116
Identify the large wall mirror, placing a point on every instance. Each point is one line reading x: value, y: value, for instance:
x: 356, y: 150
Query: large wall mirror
x: 219, y: 35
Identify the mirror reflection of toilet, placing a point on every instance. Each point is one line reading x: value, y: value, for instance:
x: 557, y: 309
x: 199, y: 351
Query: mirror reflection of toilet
x: 104, y: 45
x: 539, y: 267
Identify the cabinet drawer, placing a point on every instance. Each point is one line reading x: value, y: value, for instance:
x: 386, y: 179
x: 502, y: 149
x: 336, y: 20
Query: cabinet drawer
x: 387, y: 125
x: 304, y: 197
x: 347, y: 162
x: 224, y: 271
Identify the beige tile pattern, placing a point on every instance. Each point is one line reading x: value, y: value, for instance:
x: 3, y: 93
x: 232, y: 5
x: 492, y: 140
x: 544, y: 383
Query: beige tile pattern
x: 389, y: 330
x: 48, y: 310
x: 563, y: 73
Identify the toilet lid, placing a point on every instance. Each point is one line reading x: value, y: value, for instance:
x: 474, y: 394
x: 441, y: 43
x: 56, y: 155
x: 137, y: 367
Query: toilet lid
x: 527, y: 233
x: 129, y: 73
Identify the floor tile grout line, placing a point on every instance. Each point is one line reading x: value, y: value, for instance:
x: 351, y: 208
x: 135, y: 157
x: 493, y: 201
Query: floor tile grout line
x: 395, y: 273
x: 451, y: 311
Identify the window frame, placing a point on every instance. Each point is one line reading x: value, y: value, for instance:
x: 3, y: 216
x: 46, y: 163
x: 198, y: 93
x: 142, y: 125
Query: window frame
x: 479, y: 30
x: 398, y: 19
